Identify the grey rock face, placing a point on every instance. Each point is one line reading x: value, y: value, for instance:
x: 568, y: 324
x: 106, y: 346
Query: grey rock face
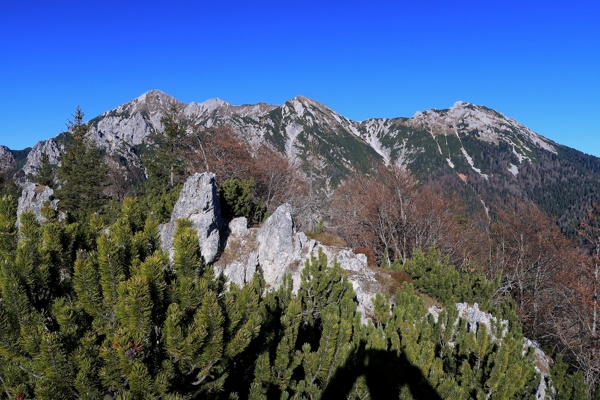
x: 475, y: 317
x: 7, y: 160
x: 279, y: 247
x: 198, y: 202
x: 33, y: 198
x: 542, y: 366
x: 238, y: 226
x: 239, y: 259
x: 34, y: 158
x: 131, y: 123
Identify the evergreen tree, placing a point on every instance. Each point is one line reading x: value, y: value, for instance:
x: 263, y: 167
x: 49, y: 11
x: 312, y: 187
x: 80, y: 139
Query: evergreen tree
x: 236, y: 200
x: 45, y: 172
x: 165, y: 167
x: 82, y: 172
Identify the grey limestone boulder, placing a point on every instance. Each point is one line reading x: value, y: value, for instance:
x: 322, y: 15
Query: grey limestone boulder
x: 198, y: 202
x: 33, y: 197
x: 279, y: 248
x: 239, y: 260
x: 238, y: 227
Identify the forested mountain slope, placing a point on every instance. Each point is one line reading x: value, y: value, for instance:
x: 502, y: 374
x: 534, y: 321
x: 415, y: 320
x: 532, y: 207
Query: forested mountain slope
x: 473, y: 150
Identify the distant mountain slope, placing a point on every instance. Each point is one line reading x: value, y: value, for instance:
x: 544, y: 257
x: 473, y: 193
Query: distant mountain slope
x: 473, y: 150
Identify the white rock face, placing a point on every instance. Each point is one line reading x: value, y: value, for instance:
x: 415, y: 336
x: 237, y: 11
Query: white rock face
x: 198, y: 202
x: 33, y: 197
x: 475, y: 317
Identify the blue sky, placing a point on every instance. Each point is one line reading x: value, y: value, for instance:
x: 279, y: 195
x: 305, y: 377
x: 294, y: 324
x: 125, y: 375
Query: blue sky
x: 537, y: 62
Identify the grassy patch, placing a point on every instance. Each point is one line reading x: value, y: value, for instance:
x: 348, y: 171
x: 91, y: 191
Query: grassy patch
x: 326, y: 239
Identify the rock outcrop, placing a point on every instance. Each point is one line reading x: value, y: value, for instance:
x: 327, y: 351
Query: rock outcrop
x: 198, y: 202
x: 51, y: 147
x: 475, y: 318
x: 7, y: 160
x: 276, y: 247
x: 281, y: 250
x: 33, y: 197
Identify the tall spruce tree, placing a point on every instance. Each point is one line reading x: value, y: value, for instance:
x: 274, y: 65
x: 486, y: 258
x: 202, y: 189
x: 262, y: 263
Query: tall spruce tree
x: 82, y: 172
x: 165, y: 164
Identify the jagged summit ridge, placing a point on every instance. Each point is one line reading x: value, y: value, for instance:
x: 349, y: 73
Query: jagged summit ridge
x: 459, y: 140
x: 216, y: 108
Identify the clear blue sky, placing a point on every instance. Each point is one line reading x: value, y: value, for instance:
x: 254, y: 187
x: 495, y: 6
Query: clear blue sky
x: 535, y: 61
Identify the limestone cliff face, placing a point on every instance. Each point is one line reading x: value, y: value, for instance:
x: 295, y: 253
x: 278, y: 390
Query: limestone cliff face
x: 7, y: 160
x: 51, y: 147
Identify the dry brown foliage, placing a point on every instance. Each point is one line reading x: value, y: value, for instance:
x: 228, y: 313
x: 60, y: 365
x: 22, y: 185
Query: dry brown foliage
x: 389, y: 211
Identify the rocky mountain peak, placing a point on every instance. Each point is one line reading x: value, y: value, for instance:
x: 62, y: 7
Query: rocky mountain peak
x: 152, y: 101
x: 153, y: 96
x: 466, y: 119
x: 300, y: 104
x: 313, y: 113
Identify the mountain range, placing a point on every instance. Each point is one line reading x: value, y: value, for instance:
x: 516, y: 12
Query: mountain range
x: 472, y: 150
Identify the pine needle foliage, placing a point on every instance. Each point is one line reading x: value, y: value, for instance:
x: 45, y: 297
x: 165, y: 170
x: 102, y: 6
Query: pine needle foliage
x: 112, y: 317
x: 434, y: 275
